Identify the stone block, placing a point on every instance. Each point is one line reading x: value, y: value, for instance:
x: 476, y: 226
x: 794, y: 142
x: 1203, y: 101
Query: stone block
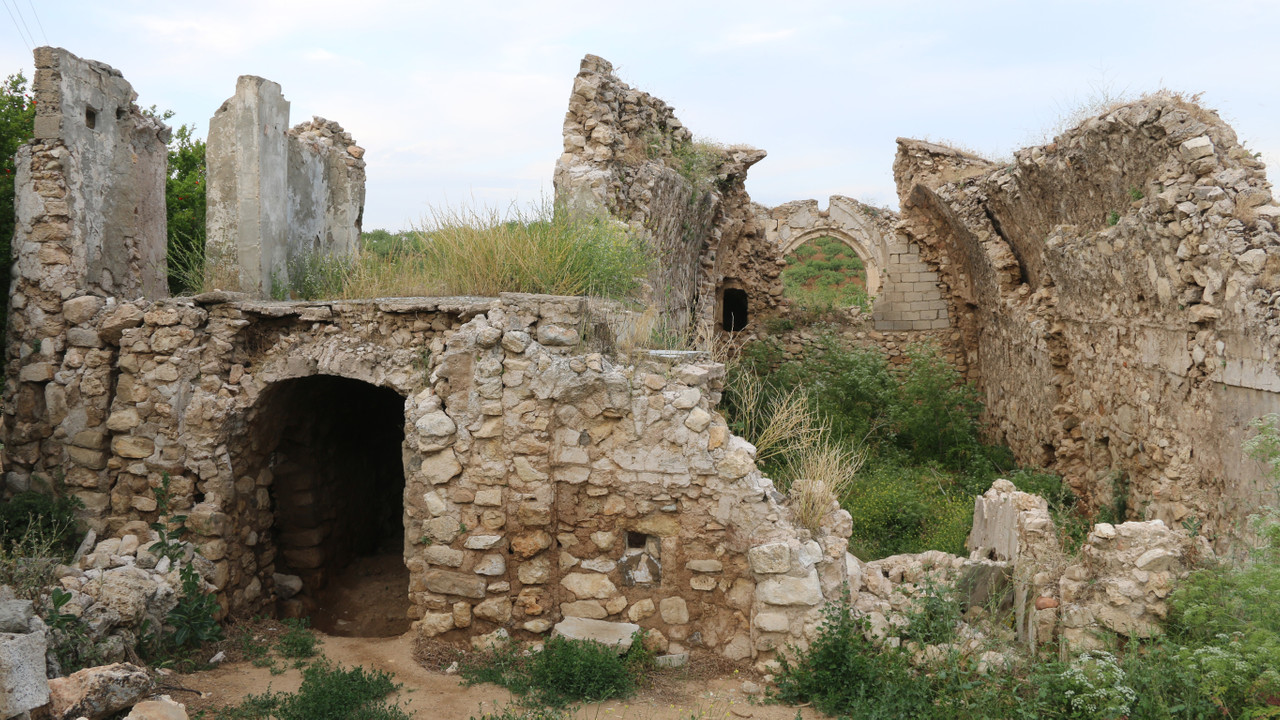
x: 770, y: 558
x: 674, y: 611
x: 786, y: 590
x: 447, y: 582
x: 22, y: 682
x: 613, y: 634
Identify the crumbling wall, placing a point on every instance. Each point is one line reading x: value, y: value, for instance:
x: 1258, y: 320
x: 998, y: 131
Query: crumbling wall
x: 277, y: 197
x: 905, y: 289
x: 625, y: 152
x: 550, y: 484
x: 1113, y: 291
x: 90, y: 228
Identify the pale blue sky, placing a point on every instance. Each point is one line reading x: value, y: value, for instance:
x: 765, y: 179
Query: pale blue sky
x: 461, y: 101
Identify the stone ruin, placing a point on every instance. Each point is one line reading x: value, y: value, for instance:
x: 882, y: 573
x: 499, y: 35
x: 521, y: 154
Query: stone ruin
x: 1111, y: 294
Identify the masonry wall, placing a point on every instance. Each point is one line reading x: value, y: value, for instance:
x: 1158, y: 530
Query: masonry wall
x: 624, y: 151
x: 277, y: 197
x: 1114, y: 291
x: 906, y: 292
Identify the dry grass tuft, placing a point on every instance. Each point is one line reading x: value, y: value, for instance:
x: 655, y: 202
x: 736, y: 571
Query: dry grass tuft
x: 823, y: 474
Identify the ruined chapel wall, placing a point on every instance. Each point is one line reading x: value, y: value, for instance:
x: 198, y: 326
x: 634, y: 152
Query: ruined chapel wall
x: 906, y: 292
x: 278, y: 196
x: 1113, y: 290
x: 90, y: 228
x: 622, y: 151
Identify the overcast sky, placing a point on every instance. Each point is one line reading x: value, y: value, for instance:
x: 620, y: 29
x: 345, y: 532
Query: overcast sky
x: 463, y: 101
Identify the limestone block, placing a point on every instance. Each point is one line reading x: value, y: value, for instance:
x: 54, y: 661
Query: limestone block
x: 98, y: 692
x: 698, y: 420
x: 613, y: 634
x: 589, y: 585
x: 22, y: 682
x: 526, y: 545
x: 481, y: 542
x: 770, y: 558
x: 772, y: 622
x: 447, y: 582
x: 81, y: 309
x: 705, y: 566
x: 433, y: 624
x: 495, y: 610
x: 131, y: 446
x: 162, y: 708
x: 443, y: 555
x: 674, y: 611
x: 786, y: 590
x: 585, y: 609
x: 441, y: 467
x: 640, y: 610
x: 534, y: 572
x: 491, y: 565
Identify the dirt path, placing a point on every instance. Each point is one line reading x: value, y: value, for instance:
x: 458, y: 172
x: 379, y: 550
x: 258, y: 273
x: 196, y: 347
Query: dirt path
x: 435, y: 696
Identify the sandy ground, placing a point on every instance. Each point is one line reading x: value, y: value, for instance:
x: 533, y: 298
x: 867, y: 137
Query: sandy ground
x: 674, y: 696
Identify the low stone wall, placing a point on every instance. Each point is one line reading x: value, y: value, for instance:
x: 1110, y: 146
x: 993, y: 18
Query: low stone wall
x: 1114, y: 295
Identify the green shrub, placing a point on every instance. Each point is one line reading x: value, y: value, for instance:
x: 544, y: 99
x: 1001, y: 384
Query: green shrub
x: 899, y: 508
x: 297, y: 641
x: 328, y: 692
x: 936, y: 413
x: 845, y: 675
x: 30, y: 514
x: 564, y: 671
x: 932, y: 617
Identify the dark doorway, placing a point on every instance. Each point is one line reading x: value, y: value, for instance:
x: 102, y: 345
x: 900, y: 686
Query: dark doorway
x: 734, y: 309
x: 333, y: 446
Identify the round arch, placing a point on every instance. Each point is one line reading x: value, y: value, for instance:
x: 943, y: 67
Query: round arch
x: 872, y: 260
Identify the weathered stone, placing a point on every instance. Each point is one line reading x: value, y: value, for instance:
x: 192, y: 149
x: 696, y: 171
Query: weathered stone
x: 447, y: 582
x: 612, y: 634
x: 589, y: 585
x: 785, y: 590
x: 22, y: 679
x: 98, y: 692
x: 492, y: 565
x: 526, y: 545
x: 496, y: 610
x: 642, y: 609
x: 770, y: 558
x: 443, y: 555
x: 585, y: 609
x: 162, y: 708
x: 674, y: 611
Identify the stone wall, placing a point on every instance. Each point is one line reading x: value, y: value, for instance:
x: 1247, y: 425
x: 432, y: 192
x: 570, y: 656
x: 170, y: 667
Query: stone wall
x: 906, y: 291
x: 90, y: 223
x: 277, y: 197
x: 626, y: 153
x: 1114, y: 293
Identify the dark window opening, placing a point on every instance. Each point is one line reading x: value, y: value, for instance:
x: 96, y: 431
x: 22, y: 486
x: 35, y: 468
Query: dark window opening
x: 90, y: 117
x: 333, y: 449
x: 734, y: 306
x: 636, y: 540
x: 119, y: 113
x: 641, y: 561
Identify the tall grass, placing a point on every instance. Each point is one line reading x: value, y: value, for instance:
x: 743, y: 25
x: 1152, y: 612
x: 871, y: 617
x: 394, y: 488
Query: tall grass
x: 482, y: 251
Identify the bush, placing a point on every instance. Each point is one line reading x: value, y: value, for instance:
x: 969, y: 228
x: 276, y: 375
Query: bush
x: 564, y: 671
x: 898, y: 508
x: 825, y: 274
x: 845, y: 675
x: 31, y: 514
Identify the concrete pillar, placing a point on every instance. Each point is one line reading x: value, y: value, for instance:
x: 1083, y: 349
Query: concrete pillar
x: 247, y: 159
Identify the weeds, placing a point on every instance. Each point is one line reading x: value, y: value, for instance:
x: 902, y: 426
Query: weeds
x: 328, y: 692
x: 823, y: 275
x: 564, y: 671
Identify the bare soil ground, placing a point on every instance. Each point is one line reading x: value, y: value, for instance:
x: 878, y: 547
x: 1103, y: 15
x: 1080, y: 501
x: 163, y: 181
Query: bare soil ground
x: 705, y: 690
x: 366, y: 599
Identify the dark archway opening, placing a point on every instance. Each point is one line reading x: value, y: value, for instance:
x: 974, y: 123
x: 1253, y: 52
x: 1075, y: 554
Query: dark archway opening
x: 333, y: 446
x: 733, y: 306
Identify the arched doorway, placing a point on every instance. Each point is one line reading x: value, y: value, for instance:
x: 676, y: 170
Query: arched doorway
x: 332, y: 449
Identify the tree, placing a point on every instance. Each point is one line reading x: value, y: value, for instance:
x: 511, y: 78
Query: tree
x: 185, y: 206
x: 17, y: 121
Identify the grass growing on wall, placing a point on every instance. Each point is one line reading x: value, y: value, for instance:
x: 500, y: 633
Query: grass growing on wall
x: 481, y: 251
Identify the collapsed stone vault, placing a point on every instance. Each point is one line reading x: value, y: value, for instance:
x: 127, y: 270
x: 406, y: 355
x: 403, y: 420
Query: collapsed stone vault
x: 525, y: 478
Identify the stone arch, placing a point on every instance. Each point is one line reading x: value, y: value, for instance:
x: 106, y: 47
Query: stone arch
x: 871, y: 260
x: 324, y: 454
